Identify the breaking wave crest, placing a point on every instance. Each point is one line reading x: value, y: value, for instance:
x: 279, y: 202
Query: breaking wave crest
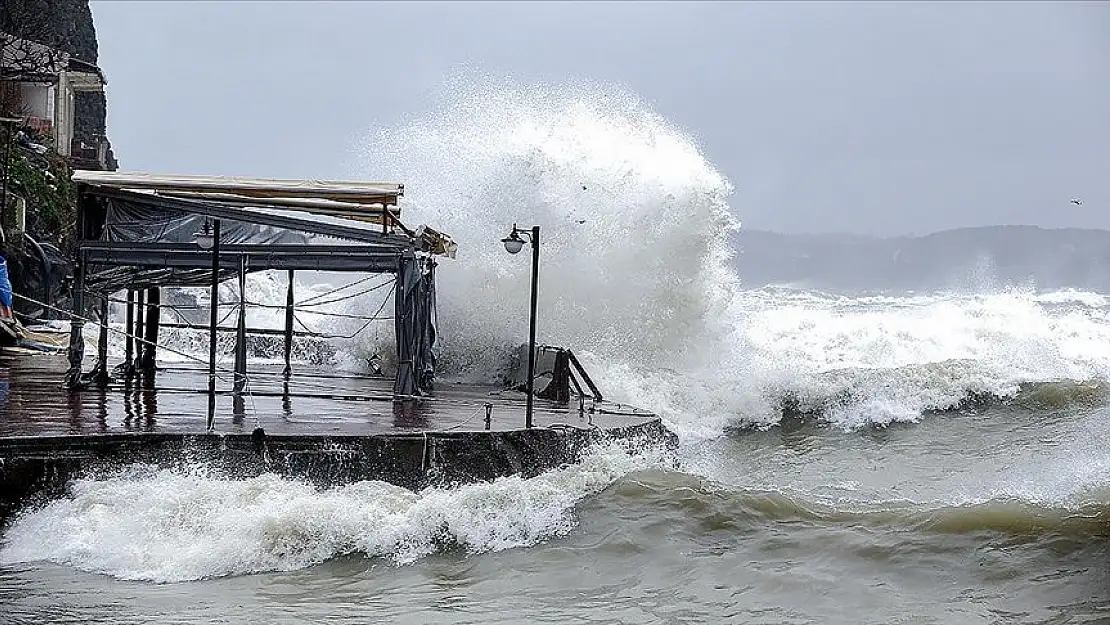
x: 168, y: 525
x: 855, y: 362
x: 634, y: 221
x: 878, y: 360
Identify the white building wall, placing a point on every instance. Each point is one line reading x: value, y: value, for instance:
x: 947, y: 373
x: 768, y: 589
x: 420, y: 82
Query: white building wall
x: 37, y: 100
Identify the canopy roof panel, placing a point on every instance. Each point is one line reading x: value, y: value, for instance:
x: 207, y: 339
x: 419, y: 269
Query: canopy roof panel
x: 342, y: 209
x: 143, y: 228
x: 345, y: 198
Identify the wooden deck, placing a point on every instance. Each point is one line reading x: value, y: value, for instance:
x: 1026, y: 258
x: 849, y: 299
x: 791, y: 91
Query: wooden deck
x: 34, y: 404
x: 324, y: 427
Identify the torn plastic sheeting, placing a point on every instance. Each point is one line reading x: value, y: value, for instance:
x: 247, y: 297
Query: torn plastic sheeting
x: 128, y: 221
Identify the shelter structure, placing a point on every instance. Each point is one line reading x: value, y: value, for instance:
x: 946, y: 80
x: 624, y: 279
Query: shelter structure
x: 40, y: 85
x: 142, y: 232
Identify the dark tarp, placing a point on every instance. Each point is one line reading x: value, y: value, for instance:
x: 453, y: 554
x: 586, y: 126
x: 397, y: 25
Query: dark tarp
x: 150, y: 220
x: 147, y: 222
x: 128, y: 220
x: 415, y: 323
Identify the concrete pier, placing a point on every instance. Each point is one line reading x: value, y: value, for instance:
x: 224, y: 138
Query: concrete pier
x: 327, y: 428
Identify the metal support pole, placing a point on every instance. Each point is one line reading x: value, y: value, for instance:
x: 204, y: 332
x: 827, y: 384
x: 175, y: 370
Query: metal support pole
x: 76, y: 352
x: 101, y: 374
x: 532, y: 325
x: 129, y: 341
x: 241, y: 330
x: 289, y: 326
x: 215, y: 306
x: 150, y: 351
x: 140, y: 314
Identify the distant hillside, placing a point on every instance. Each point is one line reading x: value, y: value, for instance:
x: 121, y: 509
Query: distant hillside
x: 954, y: 259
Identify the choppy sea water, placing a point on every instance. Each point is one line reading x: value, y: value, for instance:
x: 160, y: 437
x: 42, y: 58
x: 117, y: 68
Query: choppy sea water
x: 996, y: 510
x: 844, y: 458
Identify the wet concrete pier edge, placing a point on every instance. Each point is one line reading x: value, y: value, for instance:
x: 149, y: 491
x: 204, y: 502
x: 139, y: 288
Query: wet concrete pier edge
x: 39, y: 468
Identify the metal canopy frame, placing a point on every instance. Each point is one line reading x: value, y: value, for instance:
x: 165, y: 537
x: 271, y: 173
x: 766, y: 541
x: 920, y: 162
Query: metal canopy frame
x: 105, y: 263
x: 367, y: 259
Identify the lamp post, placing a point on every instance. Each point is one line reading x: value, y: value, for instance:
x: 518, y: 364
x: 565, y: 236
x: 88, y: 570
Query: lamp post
x: 210, y: 240
x: 513, y: 244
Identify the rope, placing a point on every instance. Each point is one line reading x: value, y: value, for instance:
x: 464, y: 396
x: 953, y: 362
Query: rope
x: 345, y: 298
x: 116, y: 300
x: 101, y: 324
x: 467, y: 420
x: 247, y: 378
x: 369, y: 320
x: 313, y: 312
x: 340, y: 288
x: 178, y: 309
x: 312, y: 301
x: 344, y: 316
x: 236, y: 305
x: 301, y: 323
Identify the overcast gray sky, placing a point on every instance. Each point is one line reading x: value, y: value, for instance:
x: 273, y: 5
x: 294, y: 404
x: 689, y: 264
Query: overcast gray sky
x: 869, y: 117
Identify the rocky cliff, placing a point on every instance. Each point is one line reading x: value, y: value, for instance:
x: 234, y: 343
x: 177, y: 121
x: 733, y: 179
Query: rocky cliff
x: 38, y: 265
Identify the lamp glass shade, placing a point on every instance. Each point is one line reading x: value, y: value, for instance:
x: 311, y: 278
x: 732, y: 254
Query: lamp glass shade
x: 205, y: 240
x: 513, y: 244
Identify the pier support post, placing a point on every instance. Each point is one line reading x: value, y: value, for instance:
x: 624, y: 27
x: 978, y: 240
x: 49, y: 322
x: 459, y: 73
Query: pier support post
x: 137, y: 330
x: 150, y: 351
x: 288, y: 326
x: 214, y: 306
x: 241, y: 330
x: 76, y: 351
x: 100, y: 371
x: 128, y: 369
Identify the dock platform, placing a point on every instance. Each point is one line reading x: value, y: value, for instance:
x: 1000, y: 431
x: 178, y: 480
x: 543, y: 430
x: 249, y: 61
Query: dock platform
x: 322, y: 426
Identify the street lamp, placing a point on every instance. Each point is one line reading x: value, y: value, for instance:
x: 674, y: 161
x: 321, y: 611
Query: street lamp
x: 513, y: 244
x: 205, y: 240
x: 210, y: 240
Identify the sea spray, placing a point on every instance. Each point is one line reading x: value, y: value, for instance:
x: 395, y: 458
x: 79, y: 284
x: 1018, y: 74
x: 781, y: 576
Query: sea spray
x: 634, y: 220
x: 635, y: 276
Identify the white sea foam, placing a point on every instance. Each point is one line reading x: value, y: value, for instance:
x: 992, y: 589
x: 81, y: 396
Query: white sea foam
x: 173, y: 525
x: 878, y: 360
